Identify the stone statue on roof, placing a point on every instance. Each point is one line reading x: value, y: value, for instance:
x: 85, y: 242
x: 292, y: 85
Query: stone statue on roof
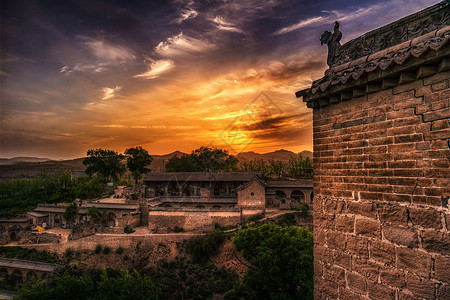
x: 333, y: 42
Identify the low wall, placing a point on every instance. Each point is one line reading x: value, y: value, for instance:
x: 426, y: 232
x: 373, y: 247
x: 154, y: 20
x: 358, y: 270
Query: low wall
x: 191, y: 220
x: 113, y: 241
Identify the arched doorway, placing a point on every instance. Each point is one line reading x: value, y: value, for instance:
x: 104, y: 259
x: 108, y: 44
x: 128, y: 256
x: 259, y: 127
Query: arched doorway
x: 312, y: 197
x: 17, y: 276
x: 111, y: 221
x: 3, y: 273
x: 12, y: 236
x: 297, y: 196
x: 280, y: 194
x: 217, y: 207
x: 57, y: 220
x: 30, y: 275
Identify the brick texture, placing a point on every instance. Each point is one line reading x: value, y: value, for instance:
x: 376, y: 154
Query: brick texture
x: 382, y: 168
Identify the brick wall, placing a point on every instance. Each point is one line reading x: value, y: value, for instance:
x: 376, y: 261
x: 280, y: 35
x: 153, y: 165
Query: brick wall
x: 192, y: 220
x: 381, y: 171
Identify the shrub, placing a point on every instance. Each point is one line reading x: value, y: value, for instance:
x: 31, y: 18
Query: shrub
x: 119, y: 250
x: 287, y: 220
x: 203, y: 247
x: 178, y: 229
x: 68, y: 253
x: 127, y: 229
x: 305, y: 210
x: 106, y: 250
x: 255, y: 218
x: 98, y: 249
x: 282, y: 260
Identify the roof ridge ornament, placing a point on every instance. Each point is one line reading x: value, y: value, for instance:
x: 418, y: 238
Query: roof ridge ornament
x: 333, y: 42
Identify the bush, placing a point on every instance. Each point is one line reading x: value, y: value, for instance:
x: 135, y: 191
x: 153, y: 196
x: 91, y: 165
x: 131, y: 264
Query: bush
x: 119, y: 250
x: 181, y: 279
x: 178, y: 229
x: 127, y: 229
x: 28, y: 254
x: 282, y: 260
x: 68, y: 253
x: 98, y: 249
x: 305, y: 210
x: 106, y: 250
x: 255, y: 218
x: 106, y: 285
x: 287, y: 220
x: 203, y: 247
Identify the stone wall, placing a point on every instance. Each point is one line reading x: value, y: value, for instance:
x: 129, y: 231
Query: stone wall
x: 126, y: 241
x: 192, y: 219
x: 381, y: 186
x: 252, y: 196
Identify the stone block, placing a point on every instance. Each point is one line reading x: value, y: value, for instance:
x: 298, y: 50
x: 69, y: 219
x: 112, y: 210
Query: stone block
x: 425, y: 217
x: 420, y: 287
x: 336, y: 240
x: 436, y: 241
x: 391, y: 213
x: 442, y: 268
x: 413, y: 260
x: 346, y: 294
x: 366, y: 268
x: 443, y: 292
x: 380, y: 292
x: 358, y: 245
x: 382, y: 252
x: 367, y: 227
x: 342, y: 259
x: 367, y: 209
x: 357, y: 282
x: 345, y: 223
x: 401, y: 236
x: 336, y: 274
x: 393, y: 277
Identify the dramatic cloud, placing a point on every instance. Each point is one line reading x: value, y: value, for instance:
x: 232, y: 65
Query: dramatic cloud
x: 168, y: 75
x: 156, y: 68
x: 109, y: 93
x: 300, y: 24
x: 224, y: 25
x: 181, y: 44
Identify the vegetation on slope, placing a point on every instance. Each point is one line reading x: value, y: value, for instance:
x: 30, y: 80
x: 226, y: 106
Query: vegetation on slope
x: 22, y: 195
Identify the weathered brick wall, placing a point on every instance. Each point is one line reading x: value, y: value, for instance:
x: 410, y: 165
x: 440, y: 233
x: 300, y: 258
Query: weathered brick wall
x: 381, y: 171
x: 191, y: 220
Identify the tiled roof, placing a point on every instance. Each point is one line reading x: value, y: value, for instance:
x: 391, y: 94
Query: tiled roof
x: 406, y: 60
x: 403, y: 51
x: 200, y: 176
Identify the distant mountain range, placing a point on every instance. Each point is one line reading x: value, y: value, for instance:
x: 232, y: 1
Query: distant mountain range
x: 28, y: 167
x: 15, y: 160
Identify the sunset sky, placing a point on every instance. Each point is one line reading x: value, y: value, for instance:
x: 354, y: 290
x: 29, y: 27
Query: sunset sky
x: 167, y: 75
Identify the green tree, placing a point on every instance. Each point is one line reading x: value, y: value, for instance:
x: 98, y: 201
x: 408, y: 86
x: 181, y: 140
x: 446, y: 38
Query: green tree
x: 282, y: 263
x: 109, y: 285
x: 137, y: 161
x: 127, y: 286
x: 213, y: 159
x: 276, y: 168
x: 65, y: 286
x: 107, y: 163
x: 184, y: 163
x: 93, y: 212
x: 300, y: 167
x: 71, y: 213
